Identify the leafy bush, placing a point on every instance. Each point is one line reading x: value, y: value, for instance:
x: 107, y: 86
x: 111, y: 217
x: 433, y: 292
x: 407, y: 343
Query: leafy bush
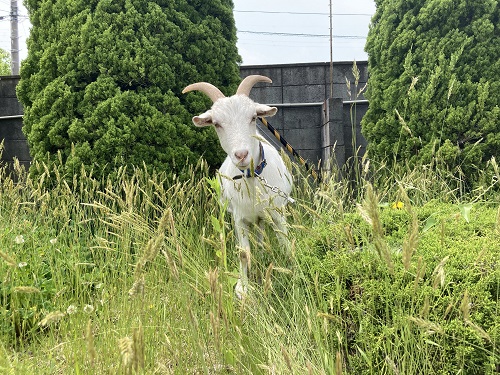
x: 444, y: 307
x: 102, y: 81
x: 434, y: 87
x: 4, y: 63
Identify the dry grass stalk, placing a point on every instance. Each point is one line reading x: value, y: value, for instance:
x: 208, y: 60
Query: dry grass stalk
x: 26, y: 289
x: 267, y: 281
x: 392, y: 365
x: 370, y: 213
x: 350, y: 237
x: 221, y: 310
x: 403, y: 124
x: 410, y: 243
x: 11, y: 262
x: 213, y: 276
x: 497, y: 224
x: 89, y: 338
x: 173, y: 233
x: 420, y: 272
x: 451, y: 305
x: 439, y: 274
x: 309, y: 323
x: 151, y: 250
x: 465, y: 306
x: 50, y: 318
x: 126, y: 346
x: 338, y: 364
x: 481, y: 332
x: 138, y: 338
x: 215, y: 323
x: 429, y: 327
x: 287, y: 359
x: 426, y: 308
x: 309, y: 368
x: 137, y: 287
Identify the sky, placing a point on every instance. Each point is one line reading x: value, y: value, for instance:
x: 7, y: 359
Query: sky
x: 311, y: 18
x: 271, y: 32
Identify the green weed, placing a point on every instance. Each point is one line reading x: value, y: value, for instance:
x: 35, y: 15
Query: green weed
x: 136, y: 275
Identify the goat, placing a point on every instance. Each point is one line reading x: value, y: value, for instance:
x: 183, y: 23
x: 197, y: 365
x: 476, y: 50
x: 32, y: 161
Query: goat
x: 255, y: 181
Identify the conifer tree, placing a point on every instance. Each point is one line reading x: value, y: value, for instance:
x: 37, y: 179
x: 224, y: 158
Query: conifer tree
x: 4, y: 63
x: 434, y: 86
x: 103, y: 78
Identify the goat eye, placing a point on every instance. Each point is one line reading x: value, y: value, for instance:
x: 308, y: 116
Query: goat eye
x: 254, y: 118
x: 217, y: 126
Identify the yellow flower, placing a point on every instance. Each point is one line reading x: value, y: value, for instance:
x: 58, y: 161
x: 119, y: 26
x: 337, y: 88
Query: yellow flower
x: 398, y: 205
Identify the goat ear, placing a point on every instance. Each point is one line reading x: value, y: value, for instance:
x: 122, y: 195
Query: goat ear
x: 265, y: 111
x: 205, y: 119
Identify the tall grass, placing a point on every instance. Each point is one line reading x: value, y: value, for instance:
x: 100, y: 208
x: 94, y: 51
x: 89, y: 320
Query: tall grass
x: 136, y: 275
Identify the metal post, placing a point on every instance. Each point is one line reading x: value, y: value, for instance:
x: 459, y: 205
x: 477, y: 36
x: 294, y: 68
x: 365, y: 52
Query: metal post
x: 331, y: 50
x: 14, y: 38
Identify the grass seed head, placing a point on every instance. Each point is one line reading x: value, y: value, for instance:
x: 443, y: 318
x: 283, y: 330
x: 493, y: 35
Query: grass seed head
x: 51, y: 318
x: 89, y: 338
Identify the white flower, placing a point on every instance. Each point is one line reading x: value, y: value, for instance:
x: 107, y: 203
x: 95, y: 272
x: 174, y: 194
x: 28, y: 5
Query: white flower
x: 19, y: 239
x: 53, y: 241
x: 71, y: 309
x: 22, y: 264
x: 88, y: 309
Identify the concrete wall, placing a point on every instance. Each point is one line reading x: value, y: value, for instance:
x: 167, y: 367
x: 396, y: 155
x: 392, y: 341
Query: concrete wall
x: 11, y: 124
x: 314, y: 123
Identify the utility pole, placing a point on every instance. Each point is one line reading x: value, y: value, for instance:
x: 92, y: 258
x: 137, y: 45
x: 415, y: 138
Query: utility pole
x: 331, y: 51
x: 14, y: 38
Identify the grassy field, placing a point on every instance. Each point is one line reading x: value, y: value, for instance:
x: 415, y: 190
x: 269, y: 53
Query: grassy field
x: 398, y: 276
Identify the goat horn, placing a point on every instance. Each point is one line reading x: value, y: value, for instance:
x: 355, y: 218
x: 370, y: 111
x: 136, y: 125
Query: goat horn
x: 249, y: 82
x: 207, y: 88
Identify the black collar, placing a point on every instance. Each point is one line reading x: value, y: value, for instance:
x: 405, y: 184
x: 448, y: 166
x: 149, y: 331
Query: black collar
x: 257, y: 170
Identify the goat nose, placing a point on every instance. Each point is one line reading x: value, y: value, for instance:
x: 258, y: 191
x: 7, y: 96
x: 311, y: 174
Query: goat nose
x: 241, y: 154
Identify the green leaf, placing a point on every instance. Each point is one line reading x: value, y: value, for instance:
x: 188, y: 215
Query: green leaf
x: 465, y: 210
x: 216, y: 224
x: 430, y: 222
x: 229, y: 357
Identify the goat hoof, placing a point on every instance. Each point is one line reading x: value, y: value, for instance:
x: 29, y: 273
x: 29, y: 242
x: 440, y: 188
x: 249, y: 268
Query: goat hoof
x: 240, y: 290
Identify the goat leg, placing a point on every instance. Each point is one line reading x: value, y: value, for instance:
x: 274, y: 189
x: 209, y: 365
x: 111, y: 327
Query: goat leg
x: 241, y: 287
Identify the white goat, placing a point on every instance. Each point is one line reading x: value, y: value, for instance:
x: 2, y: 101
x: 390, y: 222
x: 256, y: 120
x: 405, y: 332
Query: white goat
x: 255, y: 182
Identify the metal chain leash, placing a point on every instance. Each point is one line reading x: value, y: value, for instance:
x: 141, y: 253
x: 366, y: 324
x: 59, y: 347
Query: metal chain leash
x: 276, y: 190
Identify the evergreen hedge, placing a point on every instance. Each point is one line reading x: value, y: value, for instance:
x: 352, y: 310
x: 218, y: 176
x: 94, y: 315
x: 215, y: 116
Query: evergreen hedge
x: 434, y: 83
x: 102, y: 81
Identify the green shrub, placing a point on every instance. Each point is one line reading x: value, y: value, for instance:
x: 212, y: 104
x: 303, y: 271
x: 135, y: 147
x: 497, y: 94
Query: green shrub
x: 102, y: 82
x: 434, y: 87
x: 4, y: 62
x: 442, y: 313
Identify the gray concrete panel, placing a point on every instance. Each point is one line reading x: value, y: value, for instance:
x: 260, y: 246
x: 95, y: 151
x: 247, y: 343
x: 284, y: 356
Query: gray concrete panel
x: 304, y: 118
x: 303, y: 140
x: 10, y: 106
x: 16, y: 148
x: 304, y: 94
x: 11, y: 129
x: 267, y: 95
x: 310, y: 130
x: 272, y: 72
x: 299, y: 75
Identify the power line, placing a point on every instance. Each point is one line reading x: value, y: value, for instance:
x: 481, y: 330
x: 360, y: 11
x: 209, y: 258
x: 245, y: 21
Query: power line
x: 304, y: 13
x: 302, y: 35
